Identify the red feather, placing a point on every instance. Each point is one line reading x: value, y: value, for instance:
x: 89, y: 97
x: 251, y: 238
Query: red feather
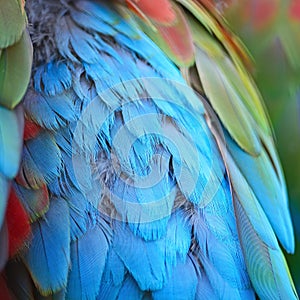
x: 179, y: 38
x: 31, y: 130
x: 160, y: 11
x: 17, y: 224
x: 4, y: 291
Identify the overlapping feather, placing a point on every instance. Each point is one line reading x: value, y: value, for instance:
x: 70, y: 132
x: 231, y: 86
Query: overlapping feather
x: 92, y: 100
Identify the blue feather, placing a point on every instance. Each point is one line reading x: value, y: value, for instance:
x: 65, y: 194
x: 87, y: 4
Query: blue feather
x: 205, y: 289
x: 48, y: 257
x: 130, y: 290
x: 86, y: 20
x: 182, y: 283
x: 108, y: 290
x: 101, y: 13
x: 114, y: 271
x: 219, y: 248
x: 52, y: 79
x: 125, y: 136
x: 88, y: 255
x: 151, y: 262
x: 41, y: 161
x: 50, y: 112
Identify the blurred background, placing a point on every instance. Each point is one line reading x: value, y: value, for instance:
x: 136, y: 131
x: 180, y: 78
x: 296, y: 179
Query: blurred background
x: 270, y: 29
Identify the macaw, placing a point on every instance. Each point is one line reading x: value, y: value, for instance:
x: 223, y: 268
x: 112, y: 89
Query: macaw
x: 147, y: 168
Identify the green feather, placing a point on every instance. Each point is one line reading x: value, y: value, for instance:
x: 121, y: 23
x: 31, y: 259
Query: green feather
x: 227, y: 103
x: 15, y: 69
x: 12, y: 22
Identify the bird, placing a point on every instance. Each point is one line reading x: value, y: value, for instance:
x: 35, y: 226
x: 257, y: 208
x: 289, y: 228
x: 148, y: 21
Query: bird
x: 137, y: 158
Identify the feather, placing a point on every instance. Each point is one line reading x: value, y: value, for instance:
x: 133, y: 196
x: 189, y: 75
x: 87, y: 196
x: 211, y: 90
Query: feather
x: 11, y: 132
x: 172, y: 37
x: 155, y: 258
x: 31, y: 130
x: 12, y: 22
x: 41, y: 161
x: 15, y: 66
x: 220, y: 252
x: 235, y: 72
x: 264, y: 260
x: 114, y: 271
x: 130, y: 290
x: 227, y: 103
x: 86, y: 20
x: 270, y: 192
x: 57, y: 296
x: 52, y: 79
x: 4, y: 192
x: 35, y: 202
x: 205, y: 289
x: 142, y: 204
x: 4, y: 251
x: 19, y: 280
x: 165, y: 14
x: 50, y: 112
x: 267, y: 267
x: 48, y: 257
x: 181, y: 285
x: 88, y: 255
x: 5, y: 292
x: 17, y: 221
x: 101, y: 13
x: 147, y: 213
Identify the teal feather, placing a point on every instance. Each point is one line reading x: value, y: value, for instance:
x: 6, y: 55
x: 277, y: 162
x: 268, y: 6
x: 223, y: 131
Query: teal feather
x: 11, y: 133
x: 268, y: 189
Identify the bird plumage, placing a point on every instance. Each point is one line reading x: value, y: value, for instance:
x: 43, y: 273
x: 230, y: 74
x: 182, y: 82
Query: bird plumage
x: 132, y: 187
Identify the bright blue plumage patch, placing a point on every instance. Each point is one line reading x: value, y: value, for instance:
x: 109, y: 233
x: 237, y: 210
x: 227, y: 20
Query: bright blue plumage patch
x: 136, y: 182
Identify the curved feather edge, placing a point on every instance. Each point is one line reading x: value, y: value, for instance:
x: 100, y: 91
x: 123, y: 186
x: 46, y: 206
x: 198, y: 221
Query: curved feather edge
x: 12, y: 22
x: 217, y: 26
x: 269, y: 188
x: 265, y: 262
x: 267, y: 267
x: 15, y: 66
x: 48, y: 257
